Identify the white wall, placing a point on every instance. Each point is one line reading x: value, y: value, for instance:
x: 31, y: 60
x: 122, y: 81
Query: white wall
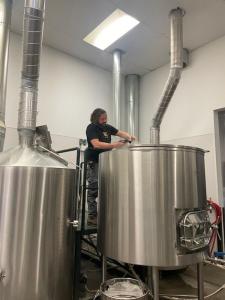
x: 69, y: 90
x: 189, y: 118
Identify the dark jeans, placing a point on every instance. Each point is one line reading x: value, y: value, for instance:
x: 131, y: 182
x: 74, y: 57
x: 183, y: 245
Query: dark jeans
x: 92, y: 194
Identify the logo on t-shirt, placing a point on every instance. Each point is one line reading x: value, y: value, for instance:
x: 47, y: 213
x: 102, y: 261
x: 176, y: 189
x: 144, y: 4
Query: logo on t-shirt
x: 105, y: 133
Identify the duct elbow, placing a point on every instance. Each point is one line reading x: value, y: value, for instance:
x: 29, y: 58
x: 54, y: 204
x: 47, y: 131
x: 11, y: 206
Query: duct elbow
x: 175, y: 72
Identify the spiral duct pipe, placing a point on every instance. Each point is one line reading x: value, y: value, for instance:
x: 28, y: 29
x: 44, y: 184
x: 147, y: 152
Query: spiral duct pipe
x: 32, y: 44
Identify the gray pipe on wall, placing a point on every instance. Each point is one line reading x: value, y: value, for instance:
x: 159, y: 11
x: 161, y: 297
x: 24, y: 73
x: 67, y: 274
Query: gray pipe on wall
x: 5, y: 22
x: 132, y: 87
x: 32, y: 44
x: 176, y: 66
x: 116, y: 87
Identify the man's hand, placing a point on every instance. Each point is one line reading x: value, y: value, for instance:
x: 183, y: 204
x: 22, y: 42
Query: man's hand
x: 118, y: 144
x: 132, y: 138
x: 126, y: 135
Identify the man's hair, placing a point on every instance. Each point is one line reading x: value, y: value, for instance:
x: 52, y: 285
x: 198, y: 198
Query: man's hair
x: 96, y: 114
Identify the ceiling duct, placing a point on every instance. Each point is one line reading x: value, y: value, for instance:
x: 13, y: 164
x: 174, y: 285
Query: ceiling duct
x: 32, y: 44
x: 116, y: 87
x: 5, y: 22
x: 176, y: 66
x: 132, y: 84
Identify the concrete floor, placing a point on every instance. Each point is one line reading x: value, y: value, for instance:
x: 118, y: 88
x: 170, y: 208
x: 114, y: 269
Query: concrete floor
x: 172, y: 283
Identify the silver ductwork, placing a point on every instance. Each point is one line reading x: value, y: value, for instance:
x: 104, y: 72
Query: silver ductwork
x: 116, y: 87
x: 5, y: 21
x: 32, y: 44
x: 176, y: 66
x: 132, y: 85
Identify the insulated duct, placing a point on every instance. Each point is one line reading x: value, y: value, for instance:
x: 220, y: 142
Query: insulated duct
x: 5, y: 21
x: 116, y: 87
x: 132, y: 83
x: 32, y: 44
x: 176, y: 66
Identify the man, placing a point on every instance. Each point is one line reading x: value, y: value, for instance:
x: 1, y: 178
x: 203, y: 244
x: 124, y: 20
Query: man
x: 99, y: 140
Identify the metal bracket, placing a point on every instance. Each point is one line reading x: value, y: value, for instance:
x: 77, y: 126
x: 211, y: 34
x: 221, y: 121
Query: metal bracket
x: 186, y: 55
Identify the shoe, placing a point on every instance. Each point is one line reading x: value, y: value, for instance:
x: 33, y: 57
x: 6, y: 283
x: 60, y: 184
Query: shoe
x: 92, y: 221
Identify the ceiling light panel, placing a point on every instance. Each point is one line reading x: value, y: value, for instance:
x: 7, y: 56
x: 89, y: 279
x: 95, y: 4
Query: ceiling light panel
x: 111, y: 29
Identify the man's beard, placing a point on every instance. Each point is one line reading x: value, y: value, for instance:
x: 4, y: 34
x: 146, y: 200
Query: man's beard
x: 103, y: 125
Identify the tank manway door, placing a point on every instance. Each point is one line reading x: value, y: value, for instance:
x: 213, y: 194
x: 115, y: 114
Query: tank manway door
x: 195, y: 230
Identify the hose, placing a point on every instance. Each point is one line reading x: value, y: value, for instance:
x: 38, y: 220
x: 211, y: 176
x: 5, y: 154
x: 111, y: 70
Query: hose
x: 131, y: 268
x: 218, y: 213
x: 110, y: 262
x: 192, y: 297
x: 90, y: 291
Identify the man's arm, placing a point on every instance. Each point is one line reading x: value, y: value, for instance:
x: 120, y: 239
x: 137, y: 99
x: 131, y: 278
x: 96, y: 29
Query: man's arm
x: 125, y: 135
x: 105, y: 146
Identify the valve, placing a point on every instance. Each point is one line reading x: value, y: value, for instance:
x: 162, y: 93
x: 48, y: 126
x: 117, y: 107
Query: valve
x: 74, y: 223
x: 2, y: 275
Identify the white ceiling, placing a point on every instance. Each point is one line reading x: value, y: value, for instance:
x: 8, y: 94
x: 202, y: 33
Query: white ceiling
x: 146, y: 47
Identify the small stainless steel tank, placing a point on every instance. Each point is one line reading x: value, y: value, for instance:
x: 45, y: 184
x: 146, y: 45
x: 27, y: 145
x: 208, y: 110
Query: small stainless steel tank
x: 36, y: 237
x: 122, y: 289
x: 152, y: 205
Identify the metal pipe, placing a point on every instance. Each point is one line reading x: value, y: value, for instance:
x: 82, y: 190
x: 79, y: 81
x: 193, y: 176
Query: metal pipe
x: 116, y: 87
x: 132, y: 95
x: 149, y: 280
x: 155, y: 283
x: 200, y: 281
x: 5, y: 22
x: 176, y: 66
x: 133, y: 272
x: 84, y: 196
x: 33, y: 25
x: 104, y: 268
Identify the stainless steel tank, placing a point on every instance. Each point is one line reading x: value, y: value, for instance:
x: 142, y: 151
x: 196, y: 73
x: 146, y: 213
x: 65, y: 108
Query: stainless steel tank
x: 152, y: 205
x: 122, y: 289
x: 36, y: 234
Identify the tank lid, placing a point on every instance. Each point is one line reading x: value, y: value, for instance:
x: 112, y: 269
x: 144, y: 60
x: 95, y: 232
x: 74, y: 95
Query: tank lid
x: 28, y: 157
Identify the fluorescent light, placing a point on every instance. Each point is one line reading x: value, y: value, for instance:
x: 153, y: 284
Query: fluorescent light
x: 111, y: 29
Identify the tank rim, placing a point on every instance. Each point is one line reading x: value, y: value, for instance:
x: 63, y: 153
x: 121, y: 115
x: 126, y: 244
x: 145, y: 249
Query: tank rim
x: 14, y: 166
x: 165, y: 146
x: 106, y: 283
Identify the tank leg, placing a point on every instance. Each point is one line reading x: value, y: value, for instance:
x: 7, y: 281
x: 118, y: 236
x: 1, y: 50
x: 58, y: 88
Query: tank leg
x: 200, y: 281
x: 155, y: 279
x: 104, y: 268
x: 149, y: 278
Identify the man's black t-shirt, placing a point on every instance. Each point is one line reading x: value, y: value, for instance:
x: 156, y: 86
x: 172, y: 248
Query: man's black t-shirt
x: 101, y: 132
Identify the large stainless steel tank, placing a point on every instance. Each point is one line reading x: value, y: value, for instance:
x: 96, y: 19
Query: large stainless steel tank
x: 152, y: 205
x: 36, y: 237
